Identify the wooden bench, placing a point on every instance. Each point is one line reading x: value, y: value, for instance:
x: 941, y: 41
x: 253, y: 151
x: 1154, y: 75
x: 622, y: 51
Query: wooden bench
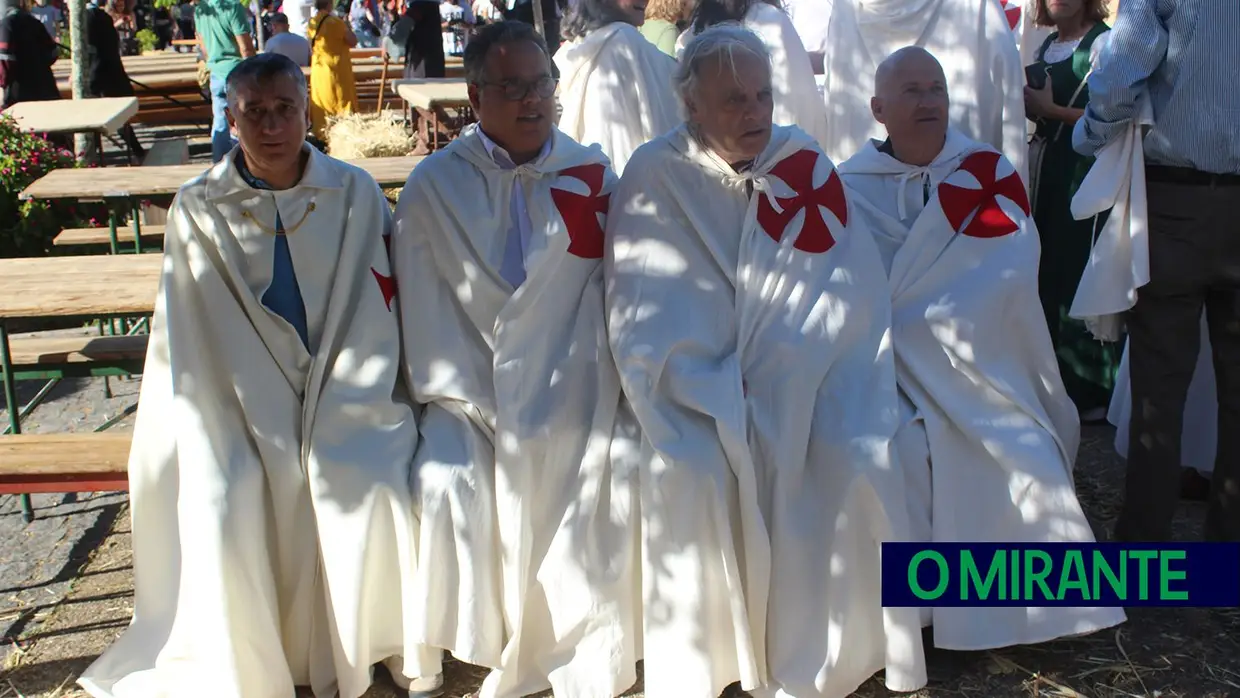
x: 101, y: 236
x: 62, y: 351
x: 94, y: 462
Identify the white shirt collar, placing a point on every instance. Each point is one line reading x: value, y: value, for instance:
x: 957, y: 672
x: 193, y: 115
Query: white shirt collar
x: 501, y: 157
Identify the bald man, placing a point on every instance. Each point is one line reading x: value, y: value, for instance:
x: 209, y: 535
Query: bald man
x: 974, y: 38
x: 988, y: 435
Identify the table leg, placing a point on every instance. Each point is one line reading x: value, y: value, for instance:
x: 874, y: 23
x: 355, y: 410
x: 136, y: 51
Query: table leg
x: 10, y: 397
x: 135, y: 222
x: 99, y: 146
x: 112, y: 230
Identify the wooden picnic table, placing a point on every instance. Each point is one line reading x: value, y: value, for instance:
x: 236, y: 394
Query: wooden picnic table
x: 92, y: 286
x: 433, y: 97
x: 85, y: 286
x: 97, y: 115
x: 138, y: 182
x: 428, y: 93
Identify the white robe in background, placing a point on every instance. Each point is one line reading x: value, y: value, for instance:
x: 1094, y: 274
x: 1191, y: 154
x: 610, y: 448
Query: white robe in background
x: 526, y: 473
x: 761, y: 374
x: 798, y: 101
x: 988, y: 434
x: 811, y: 18
x: 269, y: 485
x: 971, y: 39
x: 616, y: 91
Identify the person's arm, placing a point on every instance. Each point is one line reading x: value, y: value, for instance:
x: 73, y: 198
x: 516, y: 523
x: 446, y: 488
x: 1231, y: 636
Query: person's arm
x: 1137, y: 45
x: 239, y: 24
x: 245, y: 44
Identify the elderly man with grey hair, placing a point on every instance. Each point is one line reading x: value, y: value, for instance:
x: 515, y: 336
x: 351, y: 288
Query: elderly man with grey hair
x: 749, y: 316
x: 269, y: 474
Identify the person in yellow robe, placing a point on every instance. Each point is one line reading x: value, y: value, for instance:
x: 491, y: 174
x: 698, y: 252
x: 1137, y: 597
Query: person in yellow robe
x: 332, y: 90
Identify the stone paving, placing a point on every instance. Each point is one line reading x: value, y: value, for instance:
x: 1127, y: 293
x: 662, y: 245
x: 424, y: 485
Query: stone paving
x: 39, y: 560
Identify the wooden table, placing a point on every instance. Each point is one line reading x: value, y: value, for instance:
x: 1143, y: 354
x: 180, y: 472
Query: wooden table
x: 428, y: 93
x: 434, y: 96
x: 133, y: 184
x: 97, y: 116
x: 93, y: 286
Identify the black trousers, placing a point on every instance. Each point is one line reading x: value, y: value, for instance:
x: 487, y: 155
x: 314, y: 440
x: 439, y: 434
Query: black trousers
x: 1194, y: 247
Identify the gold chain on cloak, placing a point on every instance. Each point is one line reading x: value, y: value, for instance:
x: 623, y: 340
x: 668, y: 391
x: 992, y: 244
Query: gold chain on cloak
x: 288, y: 230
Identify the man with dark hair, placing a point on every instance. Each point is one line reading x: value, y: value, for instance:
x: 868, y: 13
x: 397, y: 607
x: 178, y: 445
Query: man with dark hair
x: 525, y: 472
x: 225, y: 39
x: 269, y: 473
x: 27, y: 53
x: 106, y: 72
x: 286, y: 43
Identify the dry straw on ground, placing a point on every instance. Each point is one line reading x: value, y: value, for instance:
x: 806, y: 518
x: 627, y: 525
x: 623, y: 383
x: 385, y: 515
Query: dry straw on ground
x: 354, y: 136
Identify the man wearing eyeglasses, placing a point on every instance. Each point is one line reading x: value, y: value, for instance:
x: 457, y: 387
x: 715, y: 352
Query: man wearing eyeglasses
x: 524, y: 473
x: 269, y: 473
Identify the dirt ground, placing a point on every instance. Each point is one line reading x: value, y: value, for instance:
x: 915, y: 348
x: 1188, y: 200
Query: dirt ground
x: 1189, y: 653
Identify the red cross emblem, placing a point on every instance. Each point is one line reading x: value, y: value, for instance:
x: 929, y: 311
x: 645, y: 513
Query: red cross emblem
x: 387, y: 284
x: 959, y: 201
x: 1013, y: 13
x: 797, y: 171
x: 581, y: 212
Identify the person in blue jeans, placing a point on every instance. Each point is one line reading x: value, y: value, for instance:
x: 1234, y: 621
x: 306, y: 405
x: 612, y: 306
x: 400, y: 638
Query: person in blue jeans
x: 225, y: 38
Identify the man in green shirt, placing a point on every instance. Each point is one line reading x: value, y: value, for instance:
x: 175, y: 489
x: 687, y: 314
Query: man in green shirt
x: 225, y: 38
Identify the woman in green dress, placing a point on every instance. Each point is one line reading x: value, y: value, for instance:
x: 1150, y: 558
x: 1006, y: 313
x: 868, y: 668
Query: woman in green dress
x: 1055, y: 99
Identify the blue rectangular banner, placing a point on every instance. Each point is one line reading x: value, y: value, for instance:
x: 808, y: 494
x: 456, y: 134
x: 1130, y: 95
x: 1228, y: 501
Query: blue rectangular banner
x: 1061, y: 574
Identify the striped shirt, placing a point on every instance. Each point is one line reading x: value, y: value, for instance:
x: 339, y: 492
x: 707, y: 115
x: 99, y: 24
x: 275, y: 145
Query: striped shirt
x: 1187, y: 53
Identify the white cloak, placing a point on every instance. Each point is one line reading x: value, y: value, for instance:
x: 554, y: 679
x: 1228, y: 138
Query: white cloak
x: 811, y: 18
x: 989, y: 434
x: 761, y: 374
x: 616, y: 91
x: 971, y: 39
x: 527, y: 467
x: 798, y: 102
x: 269, y: 485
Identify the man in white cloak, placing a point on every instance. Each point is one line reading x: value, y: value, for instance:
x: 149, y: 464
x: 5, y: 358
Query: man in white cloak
x: 526, y: 472
x: 750, y: 323
x: 615, y: 86
x: 269, y: 472
x: 988, y: 434
x: 972, y: 37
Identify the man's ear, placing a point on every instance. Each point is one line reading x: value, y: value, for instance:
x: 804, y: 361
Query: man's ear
x: 876, y: 108
x: 474, y: 97
x: 232, y: 120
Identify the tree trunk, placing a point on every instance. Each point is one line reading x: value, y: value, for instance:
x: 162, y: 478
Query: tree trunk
x: 77, y: 37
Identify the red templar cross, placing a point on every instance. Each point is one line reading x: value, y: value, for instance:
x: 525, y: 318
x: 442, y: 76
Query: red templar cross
x: 990, y: 222
x: 797, y: 171
x: 1012, y: 12
x: 581, y: 213
x: 387, y: 284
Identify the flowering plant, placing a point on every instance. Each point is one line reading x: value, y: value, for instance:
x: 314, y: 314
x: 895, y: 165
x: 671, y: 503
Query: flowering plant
x: 28, y: 227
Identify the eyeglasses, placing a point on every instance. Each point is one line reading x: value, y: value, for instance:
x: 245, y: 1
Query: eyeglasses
x: 517, y: 90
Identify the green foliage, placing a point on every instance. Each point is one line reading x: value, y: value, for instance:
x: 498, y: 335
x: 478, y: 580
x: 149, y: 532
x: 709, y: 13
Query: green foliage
x: 147, y: 40
x: 165, y: 4
x: 28, y: 227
